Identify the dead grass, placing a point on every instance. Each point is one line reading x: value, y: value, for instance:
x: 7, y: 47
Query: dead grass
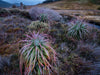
x: 69, y: 4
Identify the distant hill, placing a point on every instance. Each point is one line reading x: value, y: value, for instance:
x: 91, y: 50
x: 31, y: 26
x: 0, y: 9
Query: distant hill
x: 48, y: 1
x: 17, y: 4
x: 5, y: 4
x: 72, y: 4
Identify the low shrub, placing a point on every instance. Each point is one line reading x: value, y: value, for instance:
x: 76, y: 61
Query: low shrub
x: 52, y: 15
x: 58, y: 31
x: 14, y: 11
x: 14, y: 6
x: 98, y: 38
x: 12, y: 28
x: 37, y: 54
x: 87, y: 50
x: 4, y: 64
x: 24, y: 7
x: 4, y: 12
x: 39, y: 26
x: 75, y: 65
x: 95, y: 1
x: 98, y: 8
x: 94, y: 33
x: 22, y: 13
x: 9, y: 63
x: 25, y: 14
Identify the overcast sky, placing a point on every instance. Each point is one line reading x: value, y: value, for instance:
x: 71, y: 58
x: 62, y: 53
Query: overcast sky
x: 27, y: 2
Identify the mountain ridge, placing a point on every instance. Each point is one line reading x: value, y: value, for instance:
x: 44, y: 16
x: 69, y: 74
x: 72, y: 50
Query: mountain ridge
x: 5, y: 4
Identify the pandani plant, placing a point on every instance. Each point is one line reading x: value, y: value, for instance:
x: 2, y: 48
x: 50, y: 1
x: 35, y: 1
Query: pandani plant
x: 43, y: 18
x: 37, y: 55
x: 78, y: 30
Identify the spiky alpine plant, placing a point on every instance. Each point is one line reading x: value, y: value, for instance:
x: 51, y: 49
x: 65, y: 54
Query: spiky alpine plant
x: 43, y: 18
x: 78, y: 30
x: 37, y: 54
